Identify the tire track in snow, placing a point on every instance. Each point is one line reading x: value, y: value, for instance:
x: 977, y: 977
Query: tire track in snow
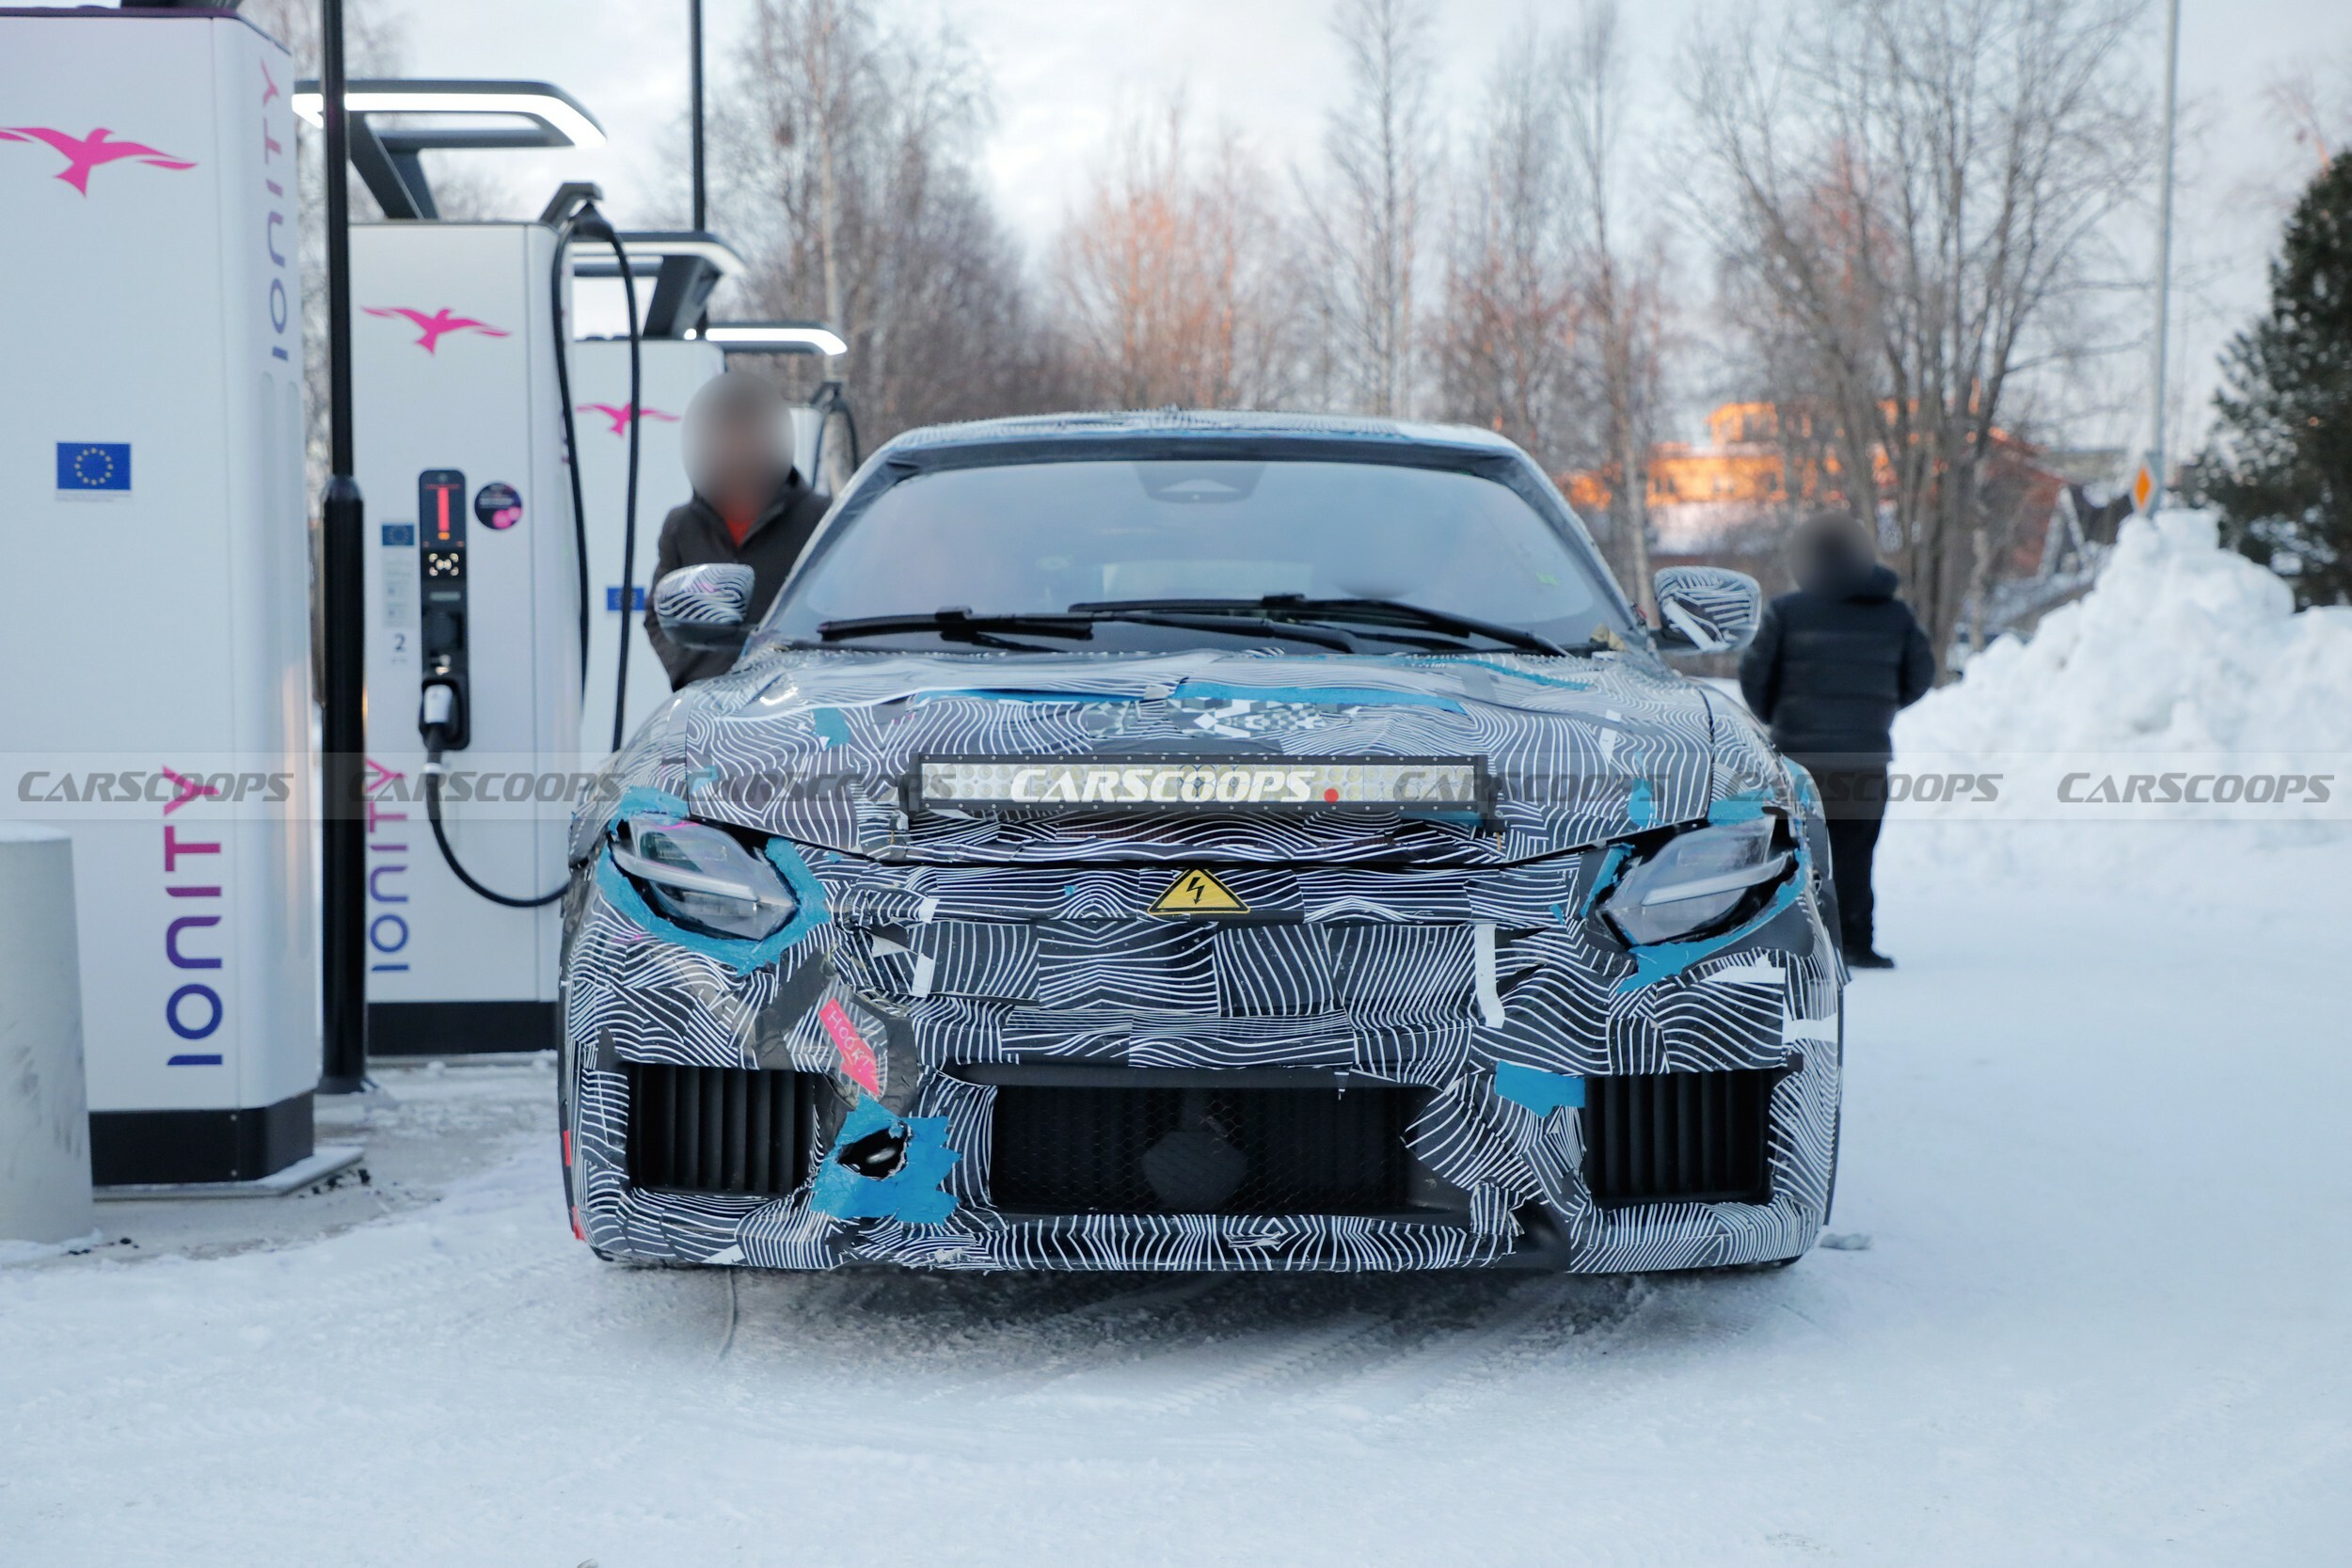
x: 1046, y: 1345
x: 1446, y: 1354
x: 1209, y: 1375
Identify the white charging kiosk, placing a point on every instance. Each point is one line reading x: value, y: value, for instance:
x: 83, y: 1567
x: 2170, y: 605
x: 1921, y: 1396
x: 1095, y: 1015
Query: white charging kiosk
x: 152, y: 512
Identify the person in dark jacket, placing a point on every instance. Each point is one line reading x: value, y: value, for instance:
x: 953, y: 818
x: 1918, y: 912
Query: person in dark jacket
x: 750, y: 507
x: 1831, y: 665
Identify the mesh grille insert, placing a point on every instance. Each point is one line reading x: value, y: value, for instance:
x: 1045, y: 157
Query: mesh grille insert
x: 1204, y: 1150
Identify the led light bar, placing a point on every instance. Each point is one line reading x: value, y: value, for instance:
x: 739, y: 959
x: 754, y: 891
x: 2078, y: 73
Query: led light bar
x: 1449, y: 786
x: 550, y: 106
x: 775, y: 338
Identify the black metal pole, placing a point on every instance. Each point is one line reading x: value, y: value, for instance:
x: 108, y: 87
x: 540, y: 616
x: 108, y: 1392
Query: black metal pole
x: 342, y: 827
x: 694, y: 34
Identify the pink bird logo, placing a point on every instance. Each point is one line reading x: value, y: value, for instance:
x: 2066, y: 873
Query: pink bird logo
x: 83, y: 155
x: 440, y: 323
x: 619, y: 414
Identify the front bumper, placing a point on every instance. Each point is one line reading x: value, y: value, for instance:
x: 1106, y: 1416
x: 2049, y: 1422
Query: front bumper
x: 897, y: 1026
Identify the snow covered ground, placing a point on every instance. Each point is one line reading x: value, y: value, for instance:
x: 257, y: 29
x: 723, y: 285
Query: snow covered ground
x: 2093, y: 1306
x: 2094, y: 1141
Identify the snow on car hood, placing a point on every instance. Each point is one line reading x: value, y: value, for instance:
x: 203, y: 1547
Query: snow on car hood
x: 818, y: 747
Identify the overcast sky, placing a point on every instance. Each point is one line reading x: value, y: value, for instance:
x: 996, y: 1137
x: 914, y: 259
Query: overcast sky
x: 1064, y: 72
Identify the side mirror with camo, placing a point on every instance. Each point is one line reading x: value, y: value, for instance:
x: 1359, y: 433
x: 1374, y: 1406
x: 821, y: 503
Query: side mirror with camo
x: 706, y: 608
x: 1705, y: 610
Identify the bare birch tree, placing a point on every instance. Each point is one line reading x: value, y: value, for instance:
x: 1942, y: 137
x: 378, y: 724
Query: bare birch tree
x: 1504, y: 343
x: 1365, y: 217
x: 843, y: 164
x: 1170, y: 276
x: 1620, y: 282
x: 1920, y: 191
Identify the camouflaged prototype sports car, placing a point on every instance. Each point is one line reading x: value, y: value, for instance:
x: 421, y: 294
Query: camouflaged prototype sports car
x: 1187, y: 841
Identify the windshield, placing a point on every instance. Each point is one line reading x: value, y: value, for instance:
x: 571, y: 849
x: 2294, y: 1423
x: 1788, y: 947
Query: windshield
x: 1038, y: 538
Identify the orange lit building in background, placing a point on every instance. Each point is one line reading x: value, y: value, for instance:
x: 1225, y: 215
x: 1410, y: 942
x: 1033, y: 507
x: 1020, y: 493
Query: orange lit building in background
x: 1702, y: 496
x: 1740, y: 465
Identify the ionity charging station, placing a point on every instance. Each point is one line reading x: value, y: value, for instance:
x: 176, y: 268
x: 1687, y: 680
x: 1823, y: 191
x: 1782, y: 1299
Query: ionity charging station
x: 152, y: 517
x: 476, y: 619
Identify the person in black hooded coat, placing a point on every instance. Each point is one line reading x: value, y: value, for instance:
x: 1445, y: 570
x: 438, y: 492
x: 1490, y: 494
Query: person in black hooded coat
x: 751, y: 507
x: 1831, y: 665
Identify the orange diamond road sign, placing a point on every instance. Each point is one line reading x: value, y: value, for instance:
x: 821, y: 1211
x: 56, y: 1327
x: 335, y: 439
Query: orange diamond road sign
x: 1197, y: 893
x: 2143, y: 486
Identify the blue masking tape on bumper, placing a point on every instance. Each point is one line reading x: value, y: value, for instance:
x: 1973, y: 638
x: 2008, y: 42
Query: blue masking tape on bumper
x: 910, y: 1193
x: 1539, y: 1091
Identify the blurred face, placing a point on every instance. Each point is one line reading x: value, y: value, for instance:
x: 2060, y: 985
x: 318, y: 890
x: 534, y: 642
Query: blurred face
x: 734, y: 445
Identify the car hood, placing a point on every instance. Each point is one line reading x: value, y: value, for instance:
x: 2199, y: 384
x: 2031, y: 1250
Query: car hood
x: 816, y: 746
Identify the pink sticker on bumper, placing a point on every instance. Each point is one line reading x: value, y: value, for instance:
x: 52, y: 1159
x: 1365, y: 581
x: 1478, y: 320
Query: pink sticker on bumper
x: 857, y: 1057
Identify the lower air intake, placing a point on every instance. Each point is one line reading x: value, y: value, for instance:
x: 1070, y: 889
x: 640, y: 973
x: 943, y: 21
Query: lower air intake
x: 1678, y: 1137
x: 1058, y: 1149
x: 719, y: 1130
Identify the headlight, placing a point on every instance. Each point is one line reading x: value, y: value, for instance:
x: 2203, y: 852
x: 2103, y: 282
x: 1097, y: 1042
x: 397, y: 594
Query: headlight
x: 1694, y: 881
x: 701, y: 877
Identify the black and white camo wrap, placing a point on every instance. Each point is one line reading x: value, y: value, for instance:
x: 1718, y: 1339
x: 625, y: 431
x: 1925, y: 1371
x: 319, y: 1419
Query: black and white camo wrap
x: 1410, y: 950
x: 1714, y: 609
x: 718, y: 593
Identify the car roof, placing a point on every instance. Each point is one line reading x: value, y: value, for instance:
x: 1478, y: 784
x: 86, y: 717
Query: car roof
x: 1158, y: 425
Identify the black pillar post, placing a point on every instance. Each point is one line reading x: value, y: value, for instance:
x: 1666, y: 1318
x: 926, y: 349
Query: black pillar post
x: 695, y: 35
x: 343, y: 831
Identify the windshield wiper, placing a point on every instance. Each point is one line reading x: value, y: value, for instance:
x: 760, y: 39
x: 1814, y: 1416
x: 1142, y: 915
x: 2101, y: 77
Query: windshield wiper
x: 1367, y: 613
x: 1235, y: 625
x: 956, y: 625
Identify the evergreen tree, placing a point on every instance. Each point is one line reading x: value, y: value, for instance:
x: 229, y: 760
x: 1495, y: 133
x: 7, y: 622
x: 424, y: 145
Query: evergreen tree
x: 2280, y: 468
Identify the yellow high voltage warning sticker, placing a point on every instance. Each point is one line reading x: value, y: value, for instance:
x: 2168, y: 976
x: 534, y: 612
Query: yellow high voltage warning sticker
x: 1197, y: 893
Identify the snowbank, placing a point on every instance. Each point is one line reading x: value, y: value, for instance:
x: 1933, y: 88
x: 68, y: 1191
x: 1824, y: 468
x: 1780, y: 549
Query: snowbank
x: 2185, y: 659
x: 2181, y: 647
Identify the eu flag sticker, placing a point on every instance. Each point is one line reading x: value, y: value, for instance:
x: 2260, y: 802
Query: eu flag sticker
x: 93, y: 468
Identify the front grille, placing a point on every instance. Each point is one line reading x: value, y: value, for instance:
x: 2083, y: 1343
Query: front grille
x: 1678, y: 1137
x: 1203, y: 1149
x: 719, y: 1130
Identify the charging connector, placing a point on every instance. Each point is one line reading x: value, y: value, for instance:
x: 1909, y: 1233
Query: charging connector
x: 437, y: 721
x: 440, y: 715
